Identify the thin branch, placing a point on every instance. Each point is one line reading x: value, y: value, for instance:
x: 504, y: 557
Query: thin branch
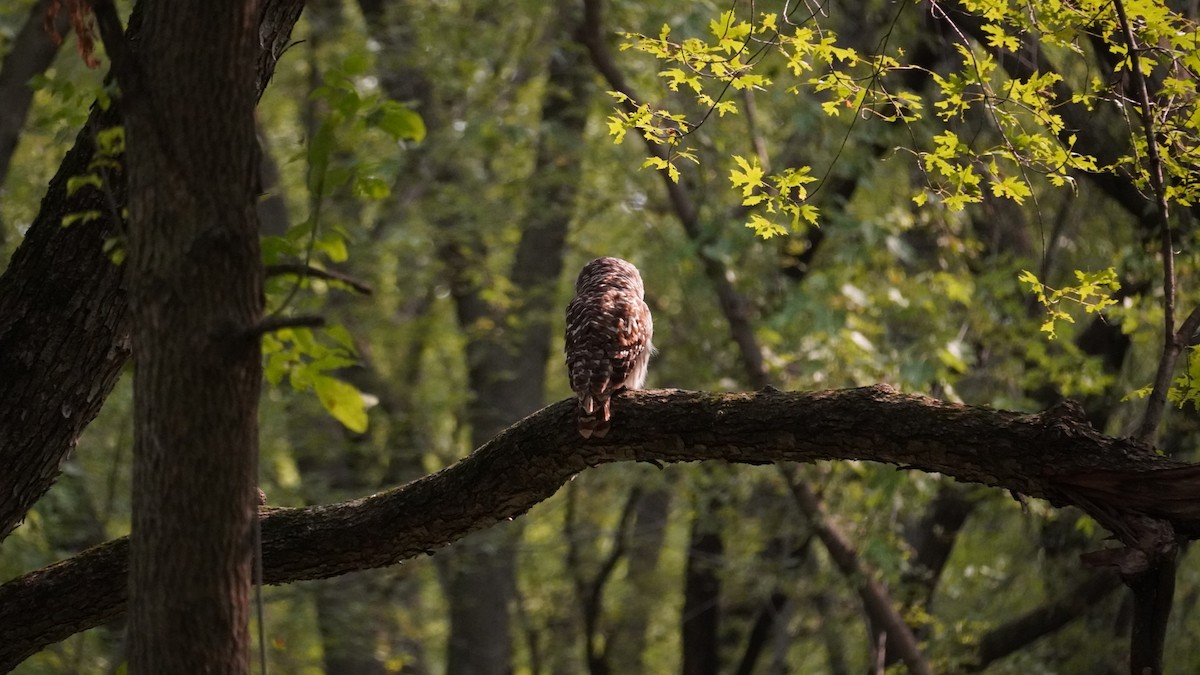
x: 771, y: 611
x: 619, y: 544
x: 1156, y: 404
x: 590, y: 593
x: 272, y: 324
x: 303, y: 270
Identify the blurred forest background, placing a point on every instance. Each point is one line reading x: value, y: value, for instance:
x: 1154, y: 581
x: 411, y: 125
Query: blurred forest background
x: 457, y: 158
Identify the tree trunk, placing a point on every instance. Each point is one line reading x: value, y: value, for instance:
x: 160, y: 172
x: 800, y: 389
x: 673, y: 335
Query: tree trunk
x: 702, y: 595
x: 195, y: 280
x: 627, y: 646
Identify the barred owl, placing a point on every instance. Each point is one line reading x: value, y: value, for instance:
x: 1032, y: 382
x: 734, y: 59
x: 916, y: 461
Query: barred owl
x: 608, y: 339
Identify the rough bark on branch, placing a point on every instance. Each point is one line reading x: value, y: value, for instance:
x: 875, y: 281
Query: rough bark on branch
x: 1053, y: 455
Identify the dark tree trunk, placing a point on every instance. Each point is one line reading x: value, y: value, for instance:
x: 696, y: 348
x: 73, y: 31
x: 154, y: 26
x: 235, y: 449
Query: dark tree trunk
x: 627, y: 646
x: 195, y: 280
x: 702, y: 594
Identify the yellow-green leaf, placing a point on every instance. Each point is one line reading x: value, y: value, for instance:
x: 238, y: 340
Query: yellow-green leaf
x: 344, y: 401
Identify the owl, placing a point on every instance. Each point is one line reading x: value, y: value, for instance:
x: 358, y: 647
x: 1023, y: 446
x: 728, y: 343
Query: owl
x: 608, y: 339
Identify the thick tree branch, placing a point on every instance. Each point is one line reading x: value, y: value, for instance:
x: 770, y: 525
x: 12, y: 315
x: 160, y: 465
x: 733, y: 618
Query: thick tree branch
x: 1050, y: 455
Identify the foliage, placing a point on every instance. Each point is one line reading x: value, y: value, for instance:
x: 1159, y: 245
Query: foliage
x: 306, y: 359
x: 1187, y: 385
x: 296, y: 354
x: 1093, y: 293
x: 1032, y: 138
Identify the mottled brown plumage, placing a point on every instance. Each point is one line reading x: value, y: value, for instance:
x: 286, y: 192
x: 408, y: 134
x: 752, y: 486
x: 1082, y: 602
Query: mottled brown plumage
x: 608, y: 339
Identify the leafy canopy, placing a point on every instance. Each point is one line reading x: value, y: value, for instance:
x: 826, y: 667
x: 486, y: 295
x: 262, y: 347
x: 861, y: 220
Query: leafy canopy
x: 995, y: 122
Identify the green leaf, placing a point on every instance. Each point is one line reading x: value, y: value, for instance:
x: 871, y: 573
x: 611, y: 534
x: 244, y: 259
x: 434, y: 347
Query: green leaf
x: 1012, y: 187
x: 333, y: 246
x: 749, y: 177
x: 80, y: 217
x: 342, y: 336
x: 75, y: 183
x: 371, y: 187
x: 400, y: 122
x: 676, y: 77
x: 344, y: 401
x: 765, y: 228
x: 999, y: 39
x: 1138, y: 393
x: 111, y: 141
x: 655, y: 163
x: 114, y: 247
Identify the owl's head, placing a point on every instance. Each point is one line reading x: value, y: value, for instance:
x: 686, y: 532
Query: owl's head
x: 609, y: 273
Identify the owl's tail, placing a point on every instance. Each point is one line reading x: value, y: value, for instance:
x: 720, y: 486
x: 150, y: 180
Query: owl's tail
x: 593, y: 417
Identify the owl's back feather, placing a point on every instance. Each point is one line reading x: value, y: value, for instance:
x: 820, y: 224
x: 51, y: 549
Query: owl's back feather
x: 608, y: 339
